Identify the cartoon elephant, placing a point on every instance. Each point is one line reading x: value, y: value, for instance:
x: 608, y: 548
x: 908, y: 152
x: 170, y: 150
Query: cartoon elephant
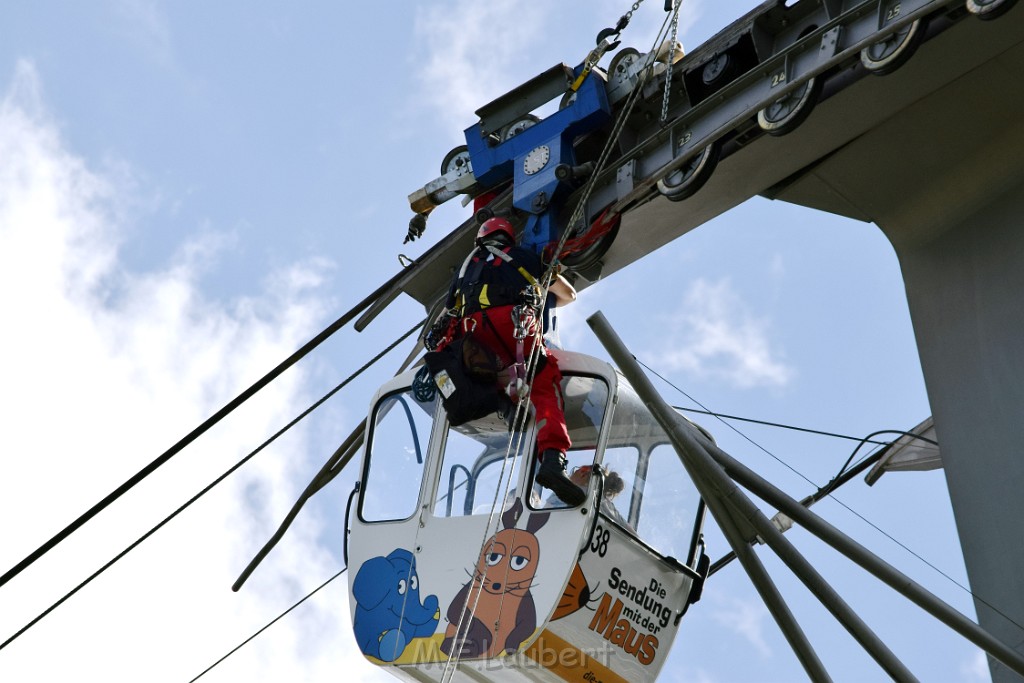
x: 388, y: 609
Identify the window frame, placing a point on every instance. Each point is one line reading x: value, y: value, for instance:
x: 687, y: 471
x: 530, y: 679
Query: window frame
x: 368, y: 452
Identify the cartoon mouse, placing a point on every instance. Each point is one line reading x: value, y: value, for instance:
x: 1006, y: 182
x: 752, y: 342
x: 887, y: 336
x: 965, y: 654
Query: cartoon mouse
x: 388, y: 611
x: 504, y: 614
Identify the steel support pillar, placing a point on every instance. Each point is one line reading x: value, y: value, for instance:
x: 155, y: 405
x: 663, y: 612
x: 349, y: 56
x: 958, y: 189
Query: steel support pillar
x: 965, y: 288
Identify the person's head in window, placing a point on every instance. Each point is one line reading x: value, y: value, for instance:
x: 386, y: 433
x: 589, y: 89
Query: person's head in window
x: 613, y: 483
x: 613, y: 486
x: 581, y: 476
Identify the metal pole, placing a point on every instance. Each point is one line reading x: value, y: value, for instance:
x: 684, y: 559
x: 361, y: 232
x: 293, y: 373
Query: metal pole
x: 682, y: 435
x: 855, y: 551
x: 773, y: 599
x: 812, y: 499
x: 821, y: 589
x: 869, y: 561
x: 330, y: 469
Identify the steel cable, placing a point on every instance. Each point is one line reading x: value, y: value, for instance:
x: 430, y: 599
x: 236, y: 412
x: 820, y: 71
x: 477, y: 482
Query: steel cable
x: 198, y: 431
x: 268, y: 625
x: 206, y: 489
x: 827, y: 490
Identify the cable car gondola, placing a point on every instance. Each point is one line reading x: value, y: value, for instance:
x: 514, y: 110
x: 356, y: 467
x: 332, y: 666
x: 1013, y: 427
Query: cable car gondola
x: 459, y: 562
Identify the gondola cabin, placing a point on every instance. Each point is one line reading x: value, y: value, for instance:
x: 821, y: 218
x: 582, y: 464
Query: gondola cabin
x: 461, y: 568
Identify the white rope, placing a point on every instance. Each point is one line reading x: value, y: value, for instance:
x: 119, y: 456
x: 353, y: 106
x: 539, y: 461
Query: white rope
x: 521, y: 412
x: 577, y: 213
x: 458, y: 638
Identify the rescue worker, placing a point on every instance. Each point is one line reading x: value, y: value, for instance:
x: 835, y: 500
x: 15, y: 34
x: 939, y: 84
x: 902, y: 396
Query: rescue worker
x: 488, y: 298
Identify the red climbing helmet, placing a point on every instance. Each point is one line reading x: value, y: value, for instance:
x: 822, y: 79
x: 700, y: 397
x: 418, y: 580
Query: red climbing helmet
x: 493, y: 227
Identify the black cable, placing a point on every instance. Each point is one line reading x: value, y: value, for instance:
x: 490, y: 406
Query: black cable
x: 754, y: 443
x: 826, y: 491
x: 198, y: 431
x: 840, y: 479
x: 206, y: 489
x: 883, y: 431
x: 274, y: 621
x: 769, y: 424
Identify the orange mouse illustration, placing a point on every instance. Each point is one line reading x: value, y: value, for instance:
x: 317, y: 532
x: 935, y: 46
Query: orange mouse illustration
x: 494, y: 611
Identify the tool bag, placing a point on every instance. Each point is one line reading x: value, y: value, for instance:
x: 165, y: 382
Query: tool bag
x: 466, y: 374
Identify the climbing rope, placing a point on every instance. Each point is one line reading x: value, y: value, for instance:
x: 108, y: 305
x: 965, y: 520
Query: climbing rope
x: 602, y: 160
x: 588, y: 189
x: 516, y: 440
x: 522, y: 398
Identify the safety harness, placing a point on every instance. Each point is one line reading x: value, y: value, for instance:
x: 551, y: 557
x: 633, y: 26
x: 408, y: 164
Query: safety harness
x: 480, y: 296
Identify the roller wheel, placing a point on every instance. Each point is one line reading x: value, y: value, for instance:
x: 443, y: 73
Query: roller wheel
x: 684, y: 182
x: 591, y: 250
x: 457, y: 159
x: 989, y: 9
x: 787, y: 113
x: 618, y: 68
x: 887, y: 55
x: 516, y: 127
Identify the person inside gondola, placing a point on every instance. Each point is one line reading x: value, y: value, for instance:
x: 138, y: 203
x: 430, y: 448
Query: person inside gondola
x: 613, y: 486
x: 494, y: 299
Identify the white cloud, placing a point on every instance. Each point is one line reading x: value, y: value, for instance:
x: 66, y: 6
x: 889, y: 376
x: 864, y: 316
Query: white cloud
x: 101, y: 369
x: 715, y: 335
x: 469, y: 51
x: 744, y: 617
x: 687, y: 675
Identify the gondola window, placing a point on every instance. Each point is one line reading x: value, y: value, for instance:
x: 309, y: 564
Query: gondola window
x: 480, y: 468
x: 668, y: 508
x: 398, y: 448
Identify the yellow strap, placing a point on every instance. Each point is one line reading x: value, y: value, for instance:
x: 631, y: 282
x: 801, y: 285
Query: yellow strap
x: 579, y: 79
x: 567, y: 661
x: 592, y: 59
x: 484, y: 300
x: 526, y: 274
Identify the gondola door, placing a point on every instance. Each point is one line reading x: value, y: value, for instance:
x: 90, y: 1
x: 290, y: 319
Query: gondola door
x: 497, y: 558
x: 457, y: 558
x: 390, y: 611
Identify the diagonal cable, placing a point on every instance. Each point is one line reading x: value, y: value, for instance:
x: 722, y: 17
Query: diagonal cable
x: 268, y: 625
x: 206, y: 489
x: 826, y: 491
x: 198, y: 431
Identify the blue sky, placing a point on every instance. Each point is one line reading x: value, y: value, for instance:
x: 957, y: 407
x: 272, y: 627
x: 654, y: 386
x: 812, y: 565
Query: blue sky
x: 190, y: 191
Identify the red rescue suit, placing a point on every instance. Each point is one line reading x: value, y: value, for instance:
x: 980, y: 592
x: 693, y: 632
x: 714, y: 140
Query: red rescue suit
x: 485, y: 295
x: 496, y: 332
